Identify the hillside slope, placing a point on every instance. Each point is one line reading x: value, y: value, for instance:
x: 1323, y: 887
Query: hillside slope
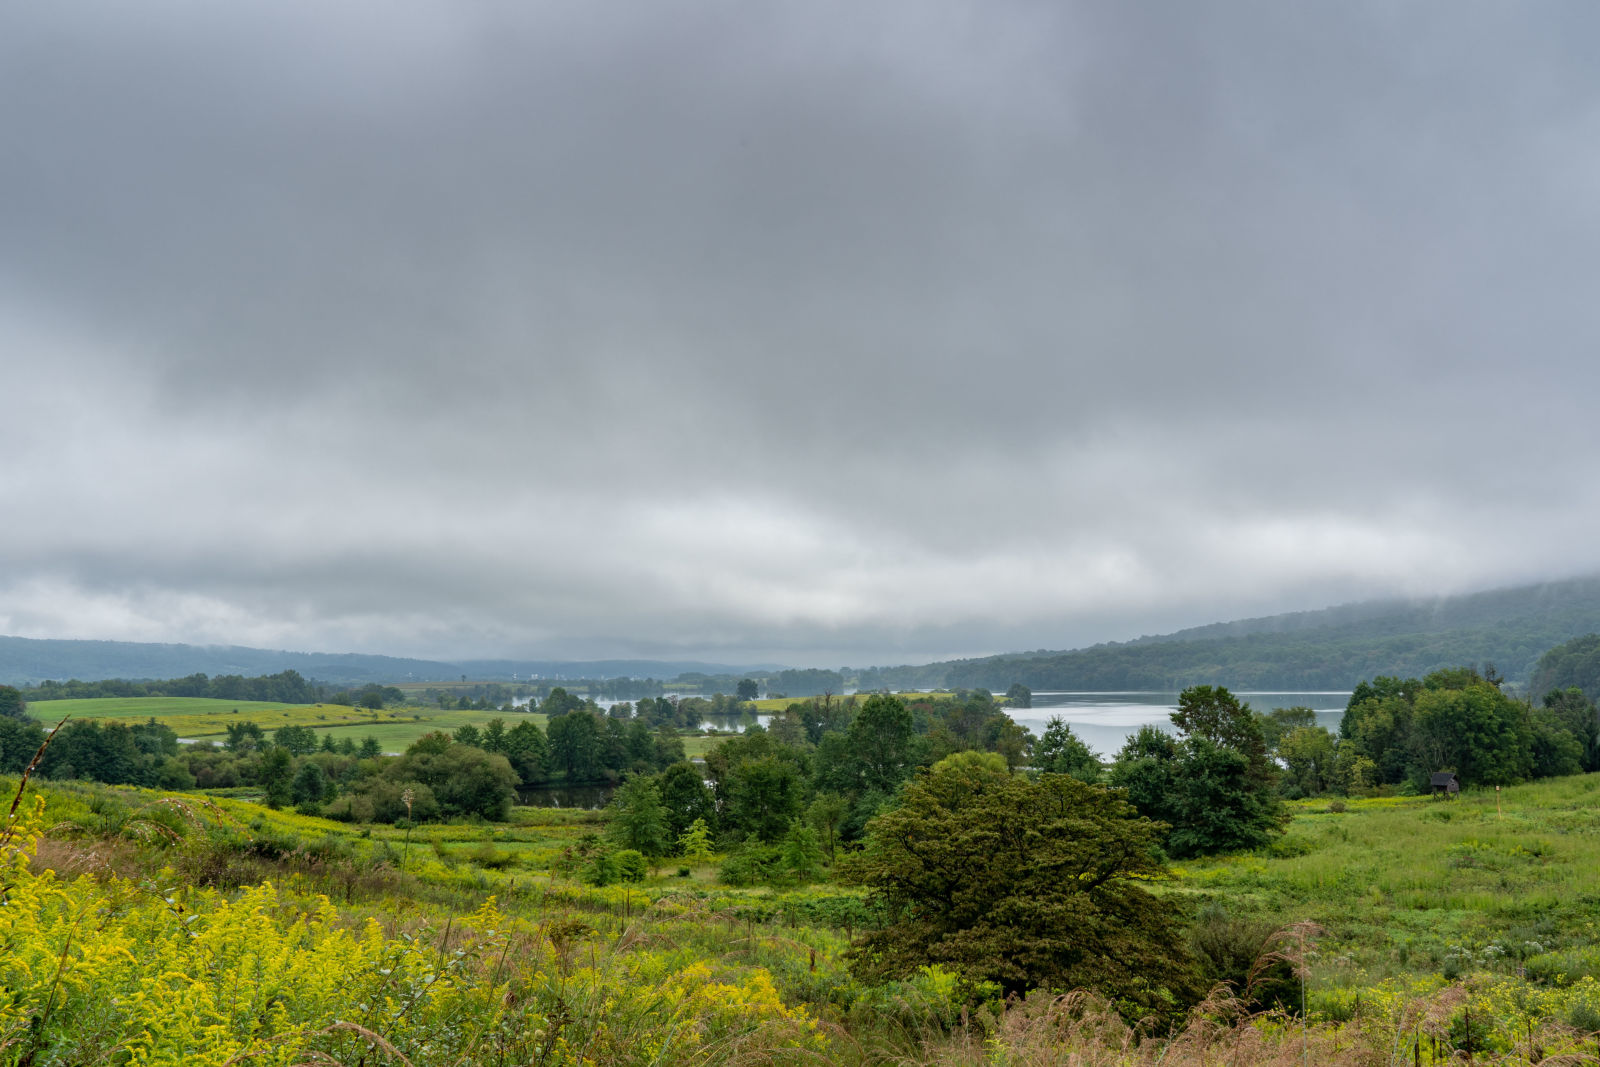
x: 1334, y: 648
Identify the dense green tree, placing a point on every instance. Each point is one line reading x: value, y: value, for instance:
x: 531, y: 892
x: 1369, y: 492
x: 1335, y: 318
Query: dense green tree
x: 694, y: 844
x: 370, y: 748
x: 575, y: 746
x: 12, y: 706
x: 494, y: 737
x: 310, y: 785
x: 759, y: 798
x: 245, y: 736
x: 1308, y: 754
x: 668, y: 747
x: 1573, y: 664
x: 1471, y: 728
x: 826, y: 812
x: 1004, y: 735
x: 559, y: 702
x: 19, y: 740
x: 1213, y: 786
x: 1026, y: 883
x: 1581, y: 718
x: 1280, y: 722
x: 468, y: 734
x: 807, y: 682
x: 275, y: 772
x: 685, y: 798
x: 299, y: 740
x: 802, y: 851
x: 1213, y: 714
x: 638, y: 819
x: 1019, y: 696
x: 747, y: 689
x: 881, y: 743
x: 464, y: 780
x: 1060, y: 751
x: 528, y: 751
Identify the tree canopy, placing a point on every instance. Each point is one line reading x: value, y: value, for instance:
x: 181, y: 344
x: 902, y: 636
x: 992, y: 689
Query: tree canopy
x: 1024, y: 883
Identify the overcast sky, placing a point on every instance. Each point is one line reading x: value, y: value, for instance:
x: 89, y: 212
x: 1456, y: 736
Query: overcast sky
x: 821, y: 333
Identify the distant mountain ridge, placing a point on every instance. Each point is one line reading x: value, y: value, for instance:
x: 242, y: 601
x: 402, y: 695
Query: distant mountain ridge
x: 27, y: 661
x: 1332, y: 648
x: 1329, y: 648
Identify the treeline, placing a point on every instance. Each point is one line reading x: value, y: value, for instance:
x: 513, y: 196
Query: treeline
x: 1401, y: 731
x: 780, y: 800
x: 1330, y: 649
x: 285, y: 687
x: 1572, y: 664
x: 472, y: 772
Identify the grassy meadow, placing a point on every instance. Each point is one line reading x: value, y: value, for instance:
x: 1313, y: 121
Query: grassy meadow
x: 204, y: 718
x: 209, y: 930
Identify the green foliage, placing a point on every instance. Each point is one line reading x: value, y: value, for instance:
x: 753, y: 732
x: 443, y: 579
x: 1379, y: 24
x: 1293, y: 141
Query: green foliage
x: 1280, y: 722
x: 638, y: 820
x: 1213, y: 786
x: 694, y: 844
x: 631, y: 865
x: 880, y: 743
x: 1060, y: 751
x: 1309, y: 755
x: 1019, y: 696
x: 802, y: 852
x: 1023, y: 883
x: 685, y: 799
x: 464, y: 780
x: 299, y: 740
x: 12, y: 706
x: 575, y: 745
x: 1572, y: 664
x: 19, y: 740
x: 1456, y: 720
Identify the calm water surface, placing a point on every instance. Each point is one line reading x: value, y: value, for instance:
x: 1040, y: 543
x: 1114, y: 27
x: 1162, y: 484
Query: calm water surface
x: 1105, y: 720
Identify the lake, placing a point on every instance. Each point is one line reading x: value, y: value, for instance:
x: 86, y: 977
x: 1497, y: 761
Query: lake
x: 1105, y: 720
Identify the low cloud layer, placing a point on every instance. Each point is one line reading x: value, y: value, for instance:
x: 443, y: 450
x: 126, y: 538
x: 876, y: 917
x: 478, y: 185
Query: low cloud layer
x: 817, y: 334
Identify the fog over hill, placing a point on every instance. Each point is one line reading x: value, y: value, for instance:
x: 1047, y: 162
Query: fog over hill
x: 1334, y: 647
x: 25, y: 661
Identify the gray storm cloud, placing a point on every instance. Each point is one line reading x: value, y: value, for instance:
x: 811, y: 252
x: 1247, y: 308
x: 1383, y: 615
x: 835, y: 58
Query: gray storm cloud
x: 816, y: 333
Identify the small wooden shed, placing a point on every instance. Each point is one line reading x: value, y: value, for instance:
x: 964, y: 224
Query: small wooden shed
x: 1445, y: 782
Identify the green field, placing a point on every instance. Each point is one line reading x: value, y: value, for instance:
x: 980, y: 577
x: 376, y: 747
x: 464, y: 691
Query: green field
x: 202, y: 718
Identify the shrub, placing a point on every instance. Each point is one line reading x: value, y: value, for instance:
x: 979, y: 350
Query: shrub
x: 631, y: 865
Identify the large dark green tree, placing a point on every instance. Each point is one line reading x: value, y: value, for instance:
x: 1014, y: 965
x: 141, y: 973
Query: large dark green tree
x: 1022, y: 882
x: 1213, y: 785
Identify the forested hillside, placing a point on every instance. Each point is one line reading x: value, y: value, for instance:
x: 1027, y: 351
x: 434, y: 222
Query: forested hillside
x: 1331, y: 649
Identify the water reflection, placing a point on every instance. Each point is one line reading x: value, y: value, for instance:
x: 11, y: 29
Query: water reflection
x: 581, y: 797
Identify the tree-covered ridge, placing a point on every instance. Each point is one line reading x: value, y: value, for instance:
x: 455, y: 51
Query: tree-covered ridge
x: 285, y: 687
x: 1330, y: 649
